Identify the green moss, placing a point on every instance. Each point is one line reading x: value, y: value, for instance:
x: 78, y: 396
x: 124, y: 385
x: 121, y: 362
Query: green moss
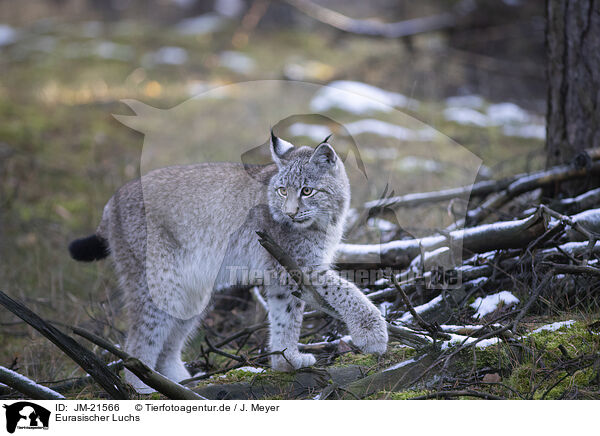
x: 396, y: 353
x: 544, y: 370
x: 401, y: 395
x: 240, y: 375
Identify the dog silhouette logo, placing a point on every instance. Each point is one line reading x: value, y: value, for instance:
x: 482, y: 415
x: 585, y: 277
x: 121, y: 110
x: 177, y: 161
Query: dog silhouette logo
x: 26, y: 415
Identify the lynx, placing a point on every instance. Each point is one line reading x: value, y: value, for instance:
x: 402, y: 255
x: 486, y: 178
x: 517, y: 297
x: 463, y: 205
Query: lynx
x: 180, y: 233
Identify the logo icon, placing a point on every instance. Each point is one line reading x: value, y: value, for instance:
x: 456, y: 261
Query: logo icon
x: 26, y: 415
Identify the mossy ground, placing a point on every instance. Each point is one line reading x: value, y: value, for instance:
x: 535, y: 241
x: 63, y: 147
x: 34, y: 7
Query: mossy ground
x: 535, y: 367
x: 396, y: 353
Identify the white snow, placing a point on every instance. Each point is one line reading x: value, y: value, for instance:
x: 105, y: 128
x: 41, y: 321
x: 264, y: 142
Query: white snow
x: 554, y: 326
x: 460, y: 340
x: 466, y: 115
x: 407, y: 317
x: 400, y: 365
x: 358, y: 98
x: 384, y: 129
x: 250, y: 369
x: 537, y: 131
x: 230, y: 8
x: 381, y: 224
x: 111, y: 50
x: 8, y: 35
x: 316, y: 132
x: 237, y: 62
x: 385, y: 307
x: 168, y: 56
x: 514, y: 120
x: 471, y: 101
x: 200, y: 25
x: 489, y: 303
x: 507, y: 113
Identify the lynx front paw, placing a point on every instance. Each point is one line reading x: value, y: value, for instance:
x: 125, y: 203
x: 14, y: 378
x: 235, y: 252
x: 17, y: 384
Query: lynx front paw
x: 370, y: 336
x: 292, y: 361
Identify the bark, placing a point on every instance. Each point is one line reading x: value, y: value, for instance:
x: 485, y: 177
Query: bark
x: 573, y: 118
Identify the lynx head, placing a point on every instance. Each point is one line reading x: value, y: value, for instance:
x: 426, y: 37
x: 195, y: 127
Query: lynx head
x: 311, y: 187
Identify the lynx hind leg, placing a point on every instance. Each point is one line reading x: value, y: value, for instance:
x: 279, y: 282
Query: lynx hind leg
x: 169, y: 361
x: 285, y: 317
x: 365, y: 323
x: 148, y: 332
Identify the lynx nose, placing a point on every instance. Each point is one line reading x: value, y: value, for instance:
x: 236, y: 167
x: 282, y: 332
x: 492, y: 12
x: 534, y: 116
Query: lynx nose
x: 291, y: 213
x: 291, y: 207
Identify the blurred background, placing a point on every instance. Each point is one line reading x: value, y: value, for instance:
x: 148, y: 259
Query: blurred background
x: 474, y: 71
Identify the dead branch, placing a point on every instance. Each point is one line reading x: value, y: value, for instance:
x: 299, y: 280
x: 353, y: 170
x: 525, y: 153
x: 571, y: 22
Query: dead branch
x: 526, y: 184
x: 155, y: 380
x: 487, y: 237
x: 26, y: 386
x: 106, y: 378
x: 374, y: 28
x: 480, y: 189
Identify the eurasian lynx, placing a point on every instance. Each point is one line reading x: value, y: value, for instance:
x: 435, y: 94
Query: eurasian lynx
x: 179, y: 233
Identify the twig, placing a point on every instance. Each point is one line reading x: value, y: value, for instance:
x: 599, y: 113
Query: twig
x: 431, y: 328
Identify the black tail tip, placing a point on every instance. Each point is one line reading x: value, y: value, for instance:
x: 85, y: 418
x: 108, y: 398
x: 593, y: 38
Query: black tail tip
x: 89, y: 249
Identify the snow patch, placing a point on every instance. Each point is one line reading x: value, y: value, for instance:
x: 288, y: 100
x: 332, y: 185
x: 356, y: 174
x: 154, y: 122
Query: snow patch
x: 465, y: 340
x: 8, y: 35
x: 554, y: 326
x: 237, y: 62
x: 358, y: 98
x: 400, y: 364
x: 489, y: 303
x: 250, y: 369
x: 200, y: 25
x: 465, y: 115
x: 471, y: 101
x: 381, y: 128
x: 407, y: 317
x: 167, y: 56
x: 315, y: 132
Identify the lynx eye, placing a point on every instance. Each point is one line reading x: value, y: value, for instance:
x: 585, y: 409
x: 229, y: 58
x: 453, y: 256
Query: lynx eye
x: 282, y: 191
x: 308, y: 192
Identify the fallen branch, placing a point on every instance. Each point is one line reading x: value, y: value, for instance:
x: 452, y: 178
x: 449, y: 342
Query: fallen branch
x: 487, y: 237
x: 155, y: 380
x: 26, y: 386
x: 109, y: 381
x: 479, y: 189
x: 370, y: 27
x: 526, y: 184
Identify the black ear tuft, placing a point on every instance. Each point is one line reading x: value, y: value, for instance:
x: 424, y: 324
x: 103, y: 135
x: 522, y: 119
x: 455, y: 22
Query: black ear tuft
x: 325, y: 141
x: 279, y: 148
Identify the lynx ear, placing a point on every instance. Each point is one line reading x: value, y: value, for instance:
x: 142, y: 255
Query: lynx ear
x: 279, y: 148
x: 324, y: 155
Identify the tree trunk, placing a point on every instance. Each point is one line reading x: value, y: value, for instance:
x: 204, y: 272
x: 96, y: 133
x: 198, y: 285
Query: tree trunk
x: 573, y: 48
